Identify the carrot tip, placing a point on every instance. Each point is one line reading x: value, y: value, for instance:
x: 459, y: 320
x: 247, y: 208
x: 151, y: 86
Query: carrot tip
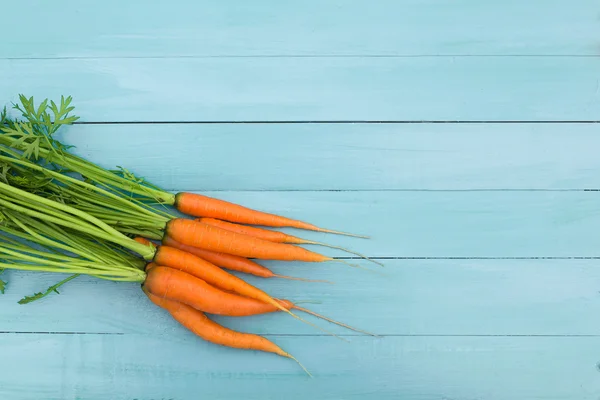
x: 308, y: 302
x: 288, y: 355
x: 344, y: 249
x: 342, y: 233
x: 333, y: 321
x: 310, y: 323
x: 349, y: 264
x: 357, y: 266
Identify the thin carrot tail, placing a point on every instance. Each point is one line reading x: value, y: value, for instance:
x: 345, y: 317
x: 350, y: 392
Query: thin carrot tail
x: 282, y: 308
x: 357, y: 266
x: 309, y: 323
x: 288, y: 355
x: 340, y: 233
x: 332, y: 321
x: 308, y: 301
x: 349, y: 264
x: 293, y: 278
x: 343, y: 249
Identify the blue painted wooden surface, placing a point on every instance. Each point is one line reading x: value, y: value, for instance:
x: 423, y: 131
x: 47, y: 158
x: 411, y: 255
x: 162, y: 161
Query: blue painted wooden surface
x: 316, y: 88
x: 488, y: 230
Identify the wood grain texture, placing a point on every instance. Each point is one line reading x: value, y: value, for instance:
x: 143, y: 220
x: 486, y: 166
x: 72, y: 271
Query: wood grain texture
x: 259, y: 89
x: 204, y: 28
x: 412, y: 298
x: 237, y: 157
x: 490, y: 289
x: 443, y: 224
x: 144, y: 367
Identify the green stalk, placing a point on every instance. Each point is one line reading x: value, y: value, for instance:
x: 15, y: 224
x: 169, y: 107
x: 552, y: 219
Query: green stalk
x: 149, y: 234
x: 101, y: 251
x: 134, y: 275
x: 121, y: 239
x: 99, y: 174
x: 122, y: 205
x: 24, y: 257
x: 39, y: 131
x: 118, y: 200
x: 41, y: 200
x: 90, y: 194
x: 47, y: 255
x: 42, y: 209
x: 101, y: 254
x: 40, y: 240
x: 71, y: 246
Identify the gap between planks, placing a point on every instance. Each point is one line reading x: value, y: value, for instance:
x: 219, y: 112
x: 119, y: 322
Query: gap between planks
x: 199, y: 57
x: 473, y: 258
x: 380, y: 335
x: 400, y: 190
x: 330, y: 122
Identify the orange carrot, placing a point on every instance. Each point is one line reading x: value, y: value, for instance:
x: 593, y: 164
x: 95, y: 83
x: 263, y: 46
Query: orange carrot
x: 149, y: 266
x: 197, y: 234
x: 230, y: 261
x: 204, y: 206
x: 143, y: 240
x: 265, y: 234
x: 210, y: 273
x: 188, y: 289
x: 178, y: 259
x: 273, y: 236
x: 198, y: 323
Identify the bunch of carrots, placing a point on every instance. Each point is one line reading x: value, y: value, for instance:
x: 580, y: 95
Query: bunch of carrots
x: 62, y: 213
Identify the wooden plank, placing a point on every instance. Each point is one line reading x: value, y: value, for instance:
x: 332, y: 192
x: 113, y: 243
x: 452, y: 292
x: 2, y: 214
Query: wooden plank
x: 369, y: 156
x: 257, y: 89
x: 413, y: 297
x: 176, y: 365
x: 443, y: 224
x: 309, y: 28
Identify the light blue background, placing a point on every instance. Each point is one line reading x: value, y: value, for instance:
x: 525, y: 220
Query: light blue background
x: 458, y: 134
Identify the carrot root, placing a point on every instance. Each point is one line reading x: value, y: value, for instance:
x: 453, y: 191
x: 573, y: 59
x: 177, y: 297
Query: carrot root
x: 308, y: 302
x: 341, y: 233
x: 288, y: 355
x: 349, y: 264
x: 199, y: 324
x: 333, y: 321
x: 343, y: 249
x: 204, y: 206
x: 178, y: 259
x: 216, y: 239
x: 313, y: 325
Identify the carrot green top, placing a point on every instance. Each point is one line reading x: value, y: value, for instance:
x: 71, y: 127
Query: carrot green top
x: 30, y: 244
x: 34, y: 137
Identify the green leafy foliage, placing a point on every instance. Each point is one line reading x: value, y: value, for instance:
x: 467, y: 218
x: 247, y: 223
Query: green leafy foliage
x: 51, y: 289
x: 25, y: 138
x: 41, y: 117
x: 33, y: 137
x: 40, y: 124
x: 3, y: 117
x: 2, y: 283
